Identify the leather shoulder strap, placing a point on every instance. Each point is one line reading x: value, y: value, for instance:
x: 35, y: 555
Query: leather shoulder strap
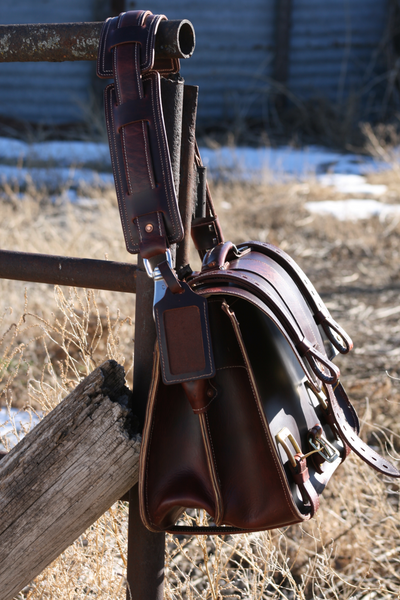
x: 206, y: 230
x: 337, y: 403
x: 136, y: 132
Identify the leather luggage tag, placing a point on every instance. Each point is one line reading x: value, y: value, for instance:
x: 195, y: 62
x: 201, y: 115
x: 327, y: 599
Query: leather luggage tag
x: 183, y: 333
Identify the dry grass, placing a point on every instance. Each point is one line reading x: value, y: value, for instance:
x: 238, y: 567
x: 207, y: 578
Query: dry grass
x: 54, y: 337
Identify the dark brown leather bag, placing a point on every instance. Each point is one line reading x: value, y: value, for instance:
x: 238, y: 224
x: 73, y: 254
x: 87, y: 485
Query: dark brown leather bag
x: 255, y: 445
x: 246, y: 416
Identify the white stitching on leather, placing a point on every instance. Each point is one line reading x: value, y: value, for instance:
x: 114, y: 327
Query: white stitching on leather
x: 116, y: 78
x: 137, y: 70
x: 159, y: 224
x: 209, y: 374
x: 156, y: 313
x: 140, y: 231
x: 103, y: 53
x: 163, y: 156
x: 211, y: 463
x: 148, y: 62
x: 231, y: 367
x: 130, y: 189
x: 146, y: 153
x: 219, y: 511
x: 153, y: 402
x: 121, y: 199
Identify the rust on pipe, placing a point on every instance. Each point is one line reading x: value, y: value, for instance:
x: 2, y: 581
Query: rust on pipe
x: 64, y: 270
x: 57, y: 42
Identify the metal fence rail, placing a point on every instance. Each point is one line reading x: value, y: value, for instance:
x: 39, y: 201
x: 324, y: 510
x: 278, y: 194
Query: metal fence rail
x: 58, y: 42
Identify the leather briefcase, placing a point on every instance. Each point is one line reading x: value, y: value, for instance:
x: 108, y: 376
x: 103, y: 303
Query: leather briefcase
x: 246, y: 417
x: 255, y: 444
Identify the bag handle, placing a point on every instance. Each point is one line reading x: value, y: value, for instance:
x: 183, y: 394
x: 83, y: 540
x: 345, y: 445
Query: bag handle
x: 337, y: 336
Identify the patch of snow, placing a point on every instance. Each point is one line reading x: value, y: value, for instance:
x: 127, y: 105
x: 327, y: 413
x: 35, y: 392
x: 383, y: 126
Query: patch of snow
x: 14, y: 424
x: 351, y: 184
x: 226, y: 205
x: 57, y: 153
x: 284, y: 163
x: 65, y: 154
x: 54, y: 178
x: 353, y: 209
x: 344, y: 172
x: 11, y: 149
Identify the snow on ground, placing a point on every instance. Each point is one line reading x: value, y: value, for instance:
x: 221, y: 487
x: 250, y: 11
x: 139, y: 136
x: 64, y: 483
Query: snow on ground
x: 351, y: 184
x: 61, y: 154
x: 66, y: 160
x: 284, y: 163
x: 353, y: 209
x: 54, y: 178
x: 14, y: 424
x: 66, y: 165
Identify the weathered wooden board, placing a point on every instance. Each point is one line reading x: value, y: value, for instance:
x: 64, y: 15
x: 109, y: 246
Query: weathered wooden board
x: 79, y: 460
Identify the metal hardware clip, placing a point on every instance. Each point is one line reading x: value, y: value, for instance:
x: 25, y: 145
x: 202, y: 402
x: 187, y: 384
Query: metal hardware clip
x: 160, y: 287
x: 320, y: 445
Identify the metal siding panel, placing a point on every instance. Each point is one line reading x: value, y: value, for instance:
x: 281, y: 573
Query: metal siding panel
x: 234, y: 52
x: 333, y: 46
x: 46, y: 92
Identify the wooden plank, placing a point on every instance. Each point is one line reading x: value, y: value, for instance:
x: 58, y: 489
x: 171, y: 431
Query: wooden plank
x: 79, y: 460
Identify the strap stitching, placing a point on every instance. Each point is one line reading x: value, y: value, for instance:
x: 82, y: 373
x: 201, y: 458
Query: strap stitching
x: 167, y: 173
x: 182, y: 380
x: 111, y: 134
x: 146, y: 152
x: 127, y: 170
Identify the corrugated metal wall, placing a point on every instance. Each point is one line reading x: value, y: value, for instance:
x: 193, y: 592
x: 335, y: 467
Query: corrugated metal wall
x: 234, y: 53
x: 333, y: 46
x: 332, y: 49
x: 45, y: 92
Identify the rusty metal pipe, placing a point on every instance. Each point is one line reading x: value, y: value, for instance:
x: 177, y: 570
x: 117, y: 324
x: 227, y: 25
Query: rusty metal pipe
x: 57, y: 42
x: 64, y: 270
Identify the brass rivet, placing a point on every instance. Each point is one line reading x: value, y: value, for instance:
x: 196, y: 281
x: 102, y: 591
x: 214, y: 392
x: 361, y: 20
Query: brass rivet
x: 210, y: 393
x: 149, y: 228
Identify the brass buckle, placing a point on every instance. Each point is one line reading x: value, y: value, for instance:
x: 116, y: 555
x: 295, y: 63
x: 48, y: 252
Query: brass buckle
x: 281, y: 437
x: 321, y: 446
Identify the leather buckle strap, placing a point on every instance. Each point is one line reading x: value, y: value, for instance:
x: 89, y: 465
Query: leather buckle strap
x: 136, y: 132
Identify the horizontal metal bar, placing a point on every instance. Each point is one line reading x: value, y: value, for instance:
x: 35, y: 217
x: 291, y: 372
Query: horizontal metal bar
x: 57, y: 42
x: 65, y: 270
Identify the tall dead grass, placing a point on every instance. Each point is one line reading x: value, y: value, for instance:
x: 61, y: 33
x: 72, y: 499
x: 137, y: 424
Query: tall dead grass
x: 51, y: 338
